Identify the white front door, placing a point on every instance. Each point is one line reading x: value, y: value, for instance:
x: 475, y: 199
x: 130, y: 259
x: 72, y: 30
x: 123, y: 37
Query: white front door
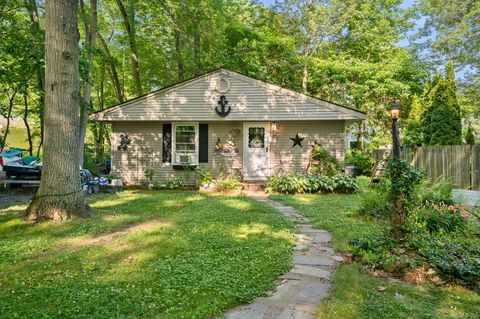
x: 256, y: 142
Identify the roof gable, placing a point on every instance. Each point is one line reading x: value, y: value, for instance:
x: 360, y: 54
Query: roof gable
x: 248, y: 98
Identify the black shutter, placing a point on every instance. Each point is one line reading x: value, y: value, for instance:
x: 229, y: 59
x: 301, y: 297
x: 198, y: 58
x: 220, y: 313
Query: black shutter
x: 203, y: 143
x: 167, y: 143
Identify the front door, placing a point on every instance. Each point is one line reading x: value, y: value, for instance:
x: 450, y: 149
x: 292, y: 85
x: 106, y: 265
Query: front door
x: 256, y: 143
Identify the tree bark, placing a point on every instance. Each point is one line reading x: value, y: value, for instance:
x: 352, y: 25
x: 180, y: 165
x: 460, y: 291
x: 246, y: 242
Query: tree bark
x: 9, y: 116
x: 27, y: 126
x: 196, y: 52
x: 306, y: 52
x: 129, y: 27
x: 90, y: 33
x: 60, y: 196
x: 113, y: 69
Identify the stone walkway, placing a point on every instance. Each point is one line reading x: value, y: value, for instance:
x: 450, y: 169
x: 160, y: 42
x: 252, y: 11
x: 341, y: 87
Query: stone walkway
x: 301, y: 289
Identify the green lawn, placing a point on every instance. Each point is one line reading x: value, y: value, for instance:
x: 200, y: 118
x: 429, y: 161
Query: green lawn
x: 354, y: 291
x: 143, y: 254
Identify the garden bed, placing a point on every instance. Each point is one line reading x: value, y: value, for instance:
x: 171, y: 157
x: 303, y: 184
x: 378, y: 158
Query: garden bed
x: 361, y: 290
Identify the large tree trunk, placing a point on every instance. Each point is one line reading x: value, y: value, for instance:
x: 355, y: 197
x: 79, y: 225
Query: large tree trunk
x: 113, y: 69
x: 90, y: 33
x: 27, y: 126
x: 129, y: 27
x: 60, y: 195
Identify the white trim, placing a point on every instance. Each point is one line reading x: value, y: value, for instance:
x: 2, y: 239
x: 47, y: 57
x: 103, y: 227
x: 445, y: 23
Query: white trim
x: 245, y: 149
x: 174, y: 137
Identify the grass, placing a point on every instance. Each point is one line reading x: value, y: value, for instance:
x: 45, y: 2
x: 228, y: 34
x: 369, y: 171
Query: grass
x: 354, y: 291
x: 143, y: 254
x: 335, y: 212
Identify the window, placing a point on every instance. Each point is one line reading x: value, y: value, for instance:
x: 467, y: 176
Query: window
x: 185, y: 144
x: 256, y: 137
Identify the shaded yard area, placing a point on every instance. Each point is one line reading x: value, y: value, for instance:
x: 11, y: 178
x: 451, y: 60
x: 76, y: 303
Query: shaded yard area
x: 354, y: 290
x: 143, y: 254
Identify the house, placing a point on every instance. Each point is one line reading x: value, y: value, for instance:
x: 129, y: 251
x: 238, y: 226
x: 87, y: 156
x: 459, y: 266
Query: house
x: 225, y: 122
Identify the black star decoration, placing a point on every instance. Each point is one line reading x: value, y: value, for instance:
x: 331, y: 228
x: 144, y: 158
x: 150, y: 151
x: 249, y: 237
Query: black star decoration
x: 297, y: 140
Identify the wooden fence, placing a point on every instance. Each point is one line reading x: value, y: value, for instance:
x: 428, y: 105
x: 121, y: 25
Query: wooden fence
x: 458, y: 163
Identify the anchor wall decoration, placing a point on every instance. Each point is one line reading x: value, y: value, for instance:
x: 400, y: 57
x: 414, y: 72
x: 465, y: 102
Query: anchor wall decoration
x: 223, y: 104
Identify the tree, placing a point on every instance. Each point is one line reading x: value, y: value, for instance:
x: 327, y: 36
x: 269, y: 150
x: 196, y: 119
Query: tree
x: 441, y: 123
x: 59, y: 196
x: 129, y: 22
x: 412, y: 133
x: 451, y: 30
x: 90, y: 25
x: 470, y: 136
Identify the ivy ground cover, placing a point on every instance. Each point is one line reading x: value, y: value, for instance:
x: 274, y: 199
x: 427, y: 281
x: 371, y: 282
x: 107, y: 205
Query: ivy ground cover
x: 143, y: 254
x: 356, y: 292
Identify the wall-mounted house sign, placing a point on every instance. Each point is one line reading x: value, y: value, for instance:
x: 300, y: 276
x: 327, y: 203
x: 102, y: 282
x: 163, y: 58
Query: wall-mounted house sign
x: 297, y: 140
x: 223, y: 111
x: 124, y: 142
x: 230, y: 147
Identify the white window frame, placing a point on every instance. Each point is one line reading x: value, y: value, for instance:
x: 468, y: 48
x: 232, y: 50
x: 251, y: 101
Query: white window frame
x: 175, y: 155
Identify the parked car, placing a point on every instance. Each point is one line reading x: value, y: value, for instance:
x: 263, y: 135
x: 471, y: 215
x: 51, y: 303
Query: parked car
x: 18, y: 166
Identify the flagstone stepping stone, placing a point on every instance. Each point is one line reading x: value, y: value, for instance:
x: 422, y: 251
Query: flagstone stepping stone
x: 311, y: 271
x: 300, y: 290
x: 313, y: 260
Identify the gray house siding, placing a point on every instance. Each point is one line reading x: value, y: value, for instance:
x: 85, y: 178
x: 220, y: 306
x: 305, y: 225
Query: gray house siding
x: 249, y: 99
x: 145, y: 149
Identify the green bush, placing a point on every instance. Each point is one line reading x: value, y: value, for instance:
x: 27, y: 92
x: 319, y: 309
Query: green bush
x: 375, y: 200
x: 174, y: 182
x: 292, y: 183
x: 363, y: 162
x: 323, y: 162
x: 404, y: 181
x: 204, y: 176
x: 229, y: 183
x: 455, y: 259
x: 434, y: 191
x: 439, y: 218
x: 149, y: 173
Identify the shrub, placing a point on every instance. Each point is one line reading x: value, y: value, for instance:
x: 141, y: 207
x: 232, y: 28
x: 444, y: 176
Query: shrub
x: 292, y: 183
x: 174, y: 182
x: 438, y: 218
x: 375, y: 201
x: 374, y: 251
x: 323, y: 162
x: 229, y: 183
x: 453, y: 258
x: 204, y: 176
x: 404, y: 178
x: 149, y: 173
x: 363, y: 162
x: 434, y: 191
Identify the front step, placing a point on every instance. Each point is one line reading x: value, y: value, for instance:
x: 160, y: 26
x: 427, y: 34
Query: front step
x: 253, y: 186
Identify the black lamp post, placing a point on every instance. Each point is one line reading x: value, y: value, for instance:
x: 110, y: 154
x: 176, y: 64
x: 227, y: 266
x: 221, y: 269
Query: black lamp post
x: 394, y: 111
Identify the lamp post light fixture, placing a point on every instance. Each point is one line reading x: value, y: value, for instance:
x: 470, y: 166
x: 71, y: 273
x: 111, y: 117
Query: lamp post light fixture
x: 274, y: 128
x: 394, y: 111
